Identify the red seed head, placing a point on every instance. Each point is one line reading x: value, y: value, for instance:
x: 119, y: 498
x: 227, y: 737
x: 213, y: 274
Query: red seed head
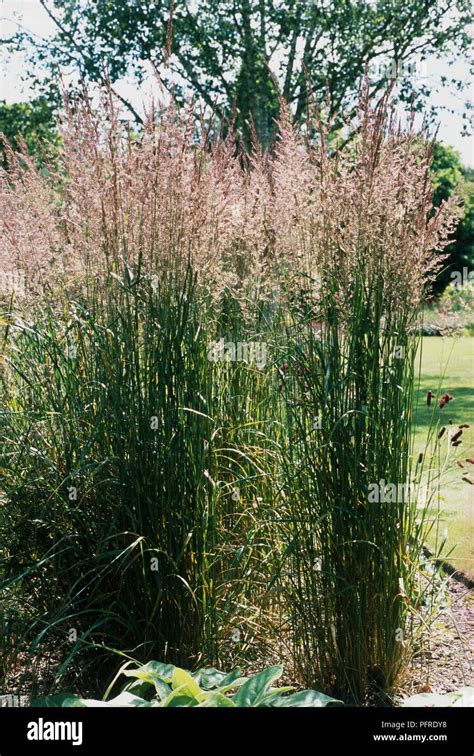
x: 445, y: 398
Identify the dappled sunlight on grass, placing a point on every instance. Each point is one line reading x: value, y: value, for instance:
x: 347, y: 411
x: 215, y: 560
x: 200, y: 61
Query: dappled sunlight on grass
x: 447, y: 365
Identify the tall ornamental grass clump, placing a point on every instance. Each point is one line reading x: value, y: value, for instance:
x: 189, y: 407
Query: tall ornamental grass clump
x: 130, y: 456
x: 133, y: 468
x: 166, y: 489
x: 363, y: 232
x: 110, y: 521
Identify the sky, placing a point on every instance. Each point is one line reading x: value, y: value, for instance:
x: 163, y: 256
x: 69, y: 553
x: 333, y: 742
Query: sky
x: 33, y: 17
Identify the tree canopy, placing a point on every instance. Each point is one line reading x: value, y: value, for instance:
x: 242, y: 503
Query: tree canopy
x: 32, y: 123
x: 237, y: 55
x: 448, y: 175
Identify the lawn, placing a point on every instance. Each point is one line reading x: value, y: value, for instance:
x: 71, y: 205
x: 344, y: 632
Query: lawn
x: 447, y: 365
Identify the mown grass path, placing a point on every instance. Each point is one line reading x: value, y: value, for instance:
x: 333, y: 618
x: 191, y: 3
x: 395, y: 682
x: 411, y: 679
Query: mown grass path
x: 447, y: 365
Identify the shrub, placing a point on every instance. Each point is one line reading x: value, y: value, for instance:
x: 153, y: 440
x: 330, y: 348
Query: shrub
x: 452, y: 313
x: 156, y: 684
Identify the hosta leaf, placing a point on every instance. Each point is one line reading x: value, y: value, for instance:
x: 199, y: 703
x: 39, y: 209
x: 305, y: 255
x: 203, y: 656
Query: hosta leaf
x: 185, y: 691
x: 123, y: 699
x: 427, y: 699
x: 153, y: 668
x: 234, y: 677
x: 155, y: 674
x: 462, y: 697
x: 307, y: 698
x: 179, y: 697
x: 209, y: 678
x: 233, y: 685
x: 252, y: 691
x: 466, y: 697
x: 216, y: 699
x: 142, y: 688
x: 273, y: 693
x: 177, y: 701
x: 183, y: 681
x: 60, y: 700
x: 162, y: 689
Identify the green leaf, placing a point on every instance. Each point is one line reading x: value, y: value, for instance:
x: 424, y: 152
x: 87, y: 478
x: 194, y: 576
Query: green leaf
x: 307, y: 698
x: 155, y: 674
x: 123, y: 699
x: 233, y: 685
x: 466, y: 697
x: 216, y: 699
x: 179, y: 697
x: 274, y: 693
x: 212, y: 679
x: 153, y: 668
x: 142, y: 689
x: 66, y: 700
x: 252, y: 692
x: 62, y: 700
x: 183, y: 681
x: 234, y: 677
x: 462, y: 697
x: 209, y: 678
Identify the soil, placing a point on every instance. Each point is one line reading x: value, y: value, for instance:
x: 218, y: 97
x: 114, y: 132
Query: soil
x: 445, y: 663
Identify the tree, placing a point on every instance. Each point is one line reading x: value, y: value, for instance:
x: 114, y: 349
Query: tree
x: 231, y: 53
x: 448, y: 175
x: 31, y: 122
